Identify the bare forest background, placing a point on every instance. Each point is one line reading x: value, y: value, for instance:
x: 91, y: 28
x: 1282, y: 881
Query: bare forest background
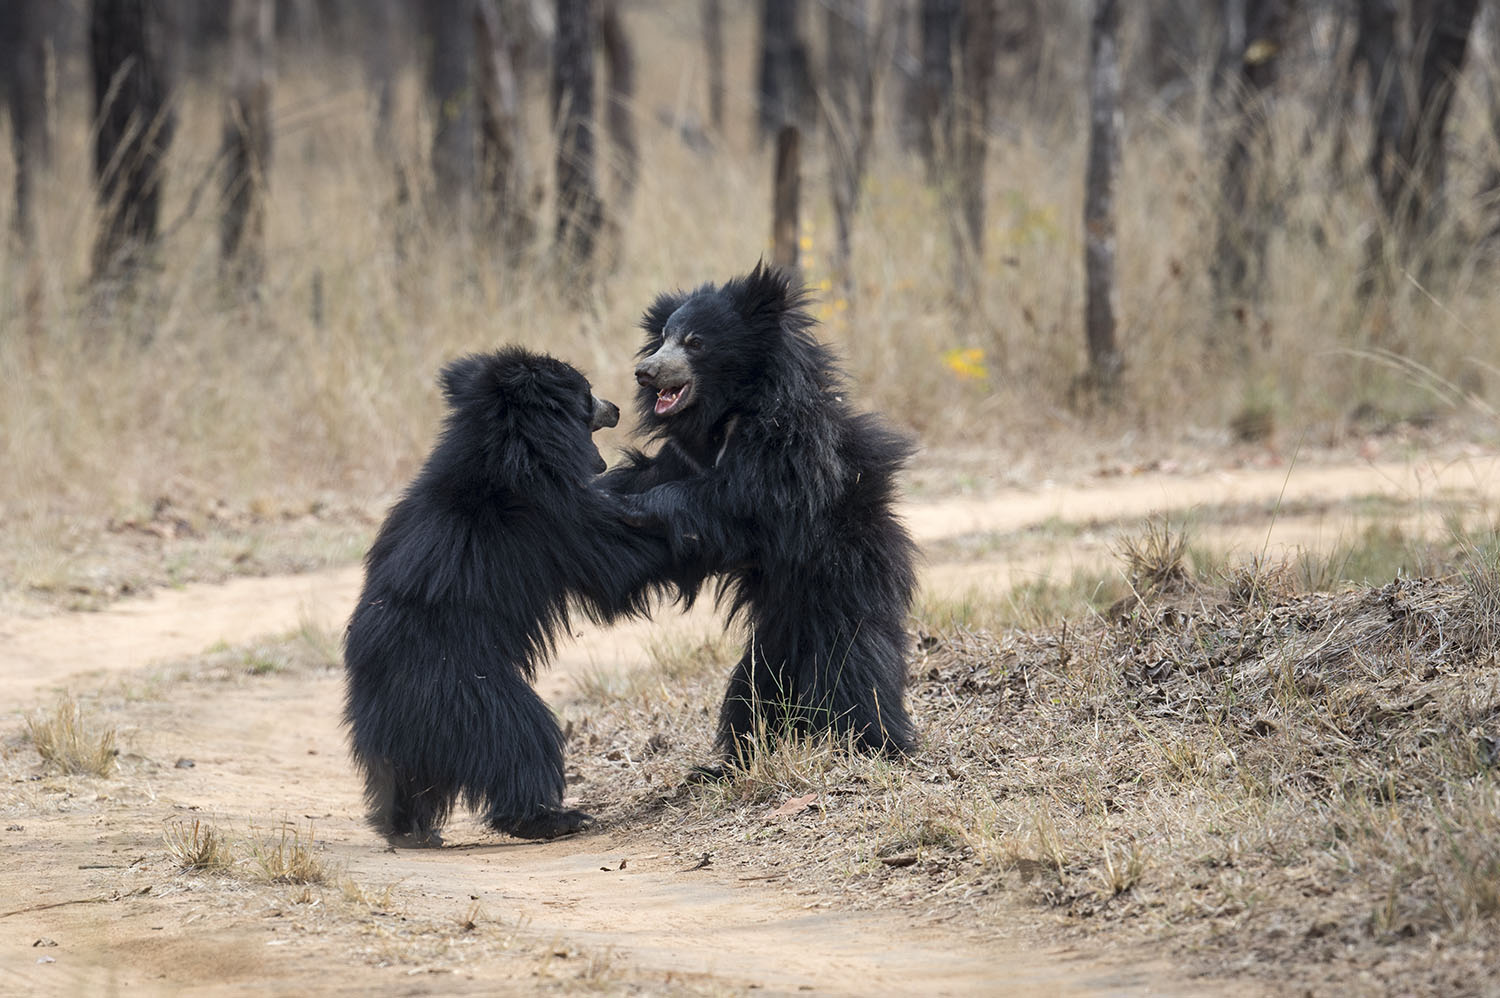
x: 242, y: 236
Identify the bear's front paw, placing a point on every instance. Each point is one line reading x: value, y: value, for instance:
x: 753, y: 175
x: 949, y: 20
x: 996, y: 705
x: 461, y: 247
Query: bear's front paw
x: 548, y: 824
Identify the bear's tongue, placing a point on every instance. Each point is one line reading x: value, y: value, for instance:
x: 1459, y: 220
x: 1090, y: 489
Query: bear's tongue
x: 667, y: 398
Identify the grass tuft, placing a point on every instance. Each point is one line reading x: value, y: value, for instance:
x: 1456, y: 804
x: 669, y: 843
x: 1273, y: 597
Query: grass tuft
x: 288, y: 856
x: 197, y: 847
x: 1156, y: 560
x: 65, y: 740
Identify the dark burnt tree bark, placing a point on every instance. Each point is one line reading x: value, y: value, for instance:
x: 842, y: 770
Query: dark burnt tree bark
x: 132, y: 68
x: 26, y: 38
x: 1255, y: 31
x: 504, y: 173
x: 855, y: 50
x: 1105, y: 360
x: 580, y: 213
x: 619, y: 111
x: 247, y: 138
x: 939, y: 36
x: 786, y: 197
x: 1411, y: 83
x: 713, y: 50
x: 450, y: 82
x: 784, y: 82
x: 977, y: 53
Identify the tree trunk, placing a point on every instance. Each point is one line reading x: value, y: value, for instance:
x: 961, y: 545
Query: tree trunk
x: 26, y: 38
x: 131, y: 59
x: 247, y: 138
x: 785, y: 198
x: 784, y: 84
x: 619, y: 114
x: 504, y: 174
x: 1444, y: 27
x: 1239, y: 257
x: 850, y: 81
x: 1411, y: 93
x: 935, y: 87
x: 380, y: 70
x: 1376, y: 48
x: 713, y: 48
x: 1229, y: 68
x: 580, y: 213
x: 450, y: 26
x: 1105, y: 361
x: 977, y: 72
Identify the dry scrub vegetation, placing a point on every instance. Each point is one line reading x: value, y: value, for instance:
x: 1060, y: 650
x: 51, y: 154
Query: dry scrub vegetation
x: 183, y: 407
x: 69, y: 743
x: 1270, y: 781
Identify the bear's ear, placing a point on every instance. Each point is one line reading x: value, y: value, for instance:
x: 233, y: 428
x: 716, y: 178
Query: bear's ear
x: 766, y: 296
x: 460, y: 378
x: 655, y: 319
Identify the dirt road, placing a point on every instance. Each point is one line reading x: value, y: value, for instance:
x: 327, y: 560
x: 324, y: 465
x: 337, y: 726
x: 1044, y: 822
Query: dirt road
x: 86, y: 868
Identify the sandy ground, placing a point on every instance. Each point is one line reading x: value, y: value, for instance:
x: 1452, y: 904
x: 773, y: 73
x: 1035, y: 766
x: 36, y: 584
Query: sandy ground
x: 604, y: 911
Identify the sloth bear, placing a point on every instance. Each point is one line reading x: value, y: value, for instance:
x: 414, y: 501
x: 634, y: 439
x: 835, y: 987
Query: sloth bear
x: 467, y: 584
x: 766, y: 477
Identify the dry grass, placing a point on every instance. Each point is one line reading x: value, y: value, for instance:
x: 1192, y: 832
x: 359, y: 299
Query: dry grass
x: 288, y: 855
x: 198, y: 847
x: 1285, y: 783
x: 65, y: 740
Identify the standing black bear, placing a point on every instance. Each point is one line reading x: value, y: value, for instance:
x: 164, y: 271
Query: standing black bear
x: 465, y: 587
x: 767, y: 476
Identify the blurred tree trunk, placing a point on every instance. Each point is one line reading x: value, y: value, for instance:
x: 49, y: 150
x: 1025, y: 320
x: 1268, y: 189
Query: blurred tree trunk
x: 1411, y: 90
x: 504, y: 173
x: 619, y: 113
x: 939, y: 31
x: 27, y: 33
x: 131, y: 59
x: 785, y: 80
x: 450, y: 27
x: 785, y: 198
x: 1375, y: 46
x: 247, y: 138
x: 1229, y: 68
x: 1443, y: 27
x: 1258, y: 28
x: 380, y: 70
x: 713, y: 49
x: 977, y: 54
x: 580, y: 213
x: 851, y: 78
x: 1105, y: 361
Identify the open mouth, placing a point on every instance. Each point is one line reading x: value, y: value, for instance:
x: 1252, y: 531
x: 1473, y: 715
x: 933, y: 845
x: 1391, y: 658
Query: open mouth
x: 669, y: 400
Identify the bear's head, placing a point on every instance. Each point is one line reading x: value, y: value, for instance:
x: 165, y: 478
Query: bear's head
x: 718, y: 350
x: 521, y: 420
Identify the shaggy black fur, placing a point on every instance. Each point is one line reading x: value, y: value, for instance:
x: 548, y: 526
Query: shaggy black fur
x: 465, y: 587
x: 767, y: 477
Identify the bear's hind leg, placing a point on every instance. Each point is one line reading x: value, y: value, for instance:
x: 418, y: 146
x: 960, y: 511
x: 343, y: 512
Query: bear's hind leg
x: 755, y: 706
x: 407, y: 809
x: 525, y: 769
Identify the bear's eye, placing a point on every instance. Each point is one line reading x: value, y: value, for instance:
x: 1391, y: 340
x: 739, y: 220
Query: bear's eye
x: 692, y: 343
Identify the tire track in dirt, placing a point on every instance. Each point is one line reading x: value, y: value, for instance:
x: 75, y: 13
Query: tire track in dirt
x: 275, y: 747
